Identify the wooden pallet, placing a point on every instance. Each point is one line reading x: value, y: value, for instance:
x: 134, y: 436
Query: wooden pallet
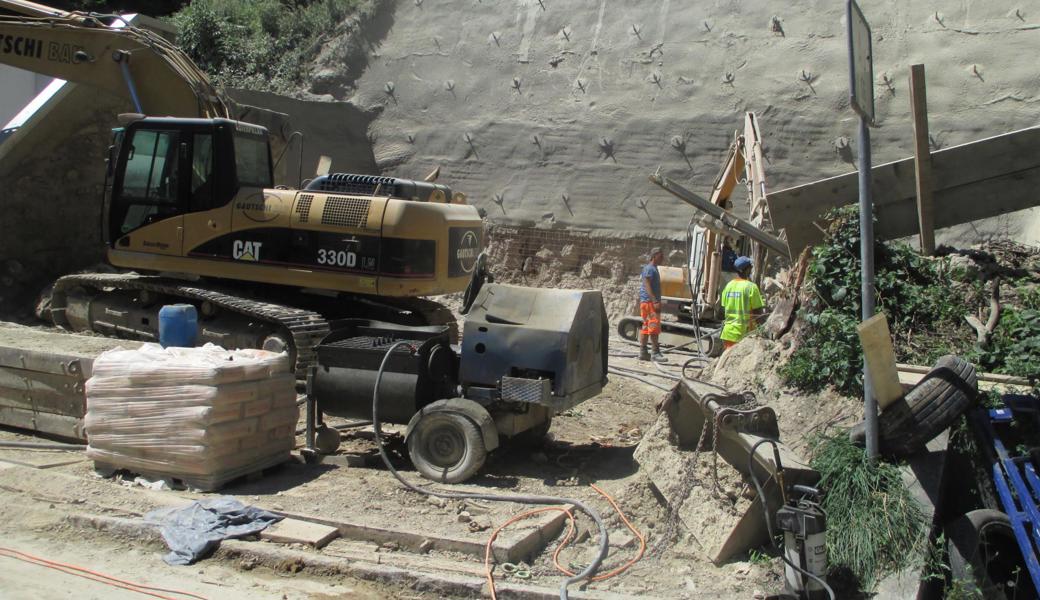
x: 202, y: 483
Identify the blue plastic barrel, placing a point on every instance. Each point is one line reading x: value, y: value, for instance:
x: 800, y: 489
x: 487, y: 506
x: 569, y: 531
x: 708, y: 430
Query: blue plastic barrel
x: 178, y: 325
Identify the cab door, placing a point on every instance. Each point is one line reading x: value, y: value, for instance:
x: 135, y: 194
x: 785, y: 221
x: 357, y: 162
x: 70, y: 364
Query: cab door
x: 208, y: 215
x: 147, y: 210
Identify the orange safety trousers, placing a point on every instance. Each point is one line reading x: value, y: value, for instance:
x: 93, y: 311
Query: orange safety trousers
x: 651, y: 318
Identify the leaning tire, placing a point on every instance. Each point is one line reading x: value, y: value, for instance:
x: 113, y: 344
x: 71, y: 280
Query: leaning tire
x: 628, y: 328
x: 446, y: 447
x: 984, y: 556
x: 907, y: 425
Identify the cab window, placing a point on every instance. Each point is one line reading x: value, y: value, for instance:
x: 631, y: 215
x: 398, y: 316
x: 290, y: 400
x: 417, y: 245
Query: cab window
x: 150, y: 180
x: 202, y: 179
x: 252, y: 161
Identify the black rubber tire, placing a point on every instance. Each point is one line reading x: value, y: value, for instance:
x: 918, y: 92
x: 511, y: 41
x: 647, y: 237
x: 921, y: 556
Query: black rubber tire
x: 446, y: 447
x: 628, y: 328
x: 907, y: 425
x: 326, y: 440
x: 984, y: 555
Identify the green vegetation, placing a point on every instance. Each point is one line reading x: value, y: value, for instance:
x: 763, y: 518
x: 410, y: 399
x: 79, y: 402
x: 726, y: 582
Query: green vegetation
x: 925, y: 301
x: 925, y: 316
x: 874, y: 526
x: 258, y: 44
x: 1015, y: 348
x: 154, y: 8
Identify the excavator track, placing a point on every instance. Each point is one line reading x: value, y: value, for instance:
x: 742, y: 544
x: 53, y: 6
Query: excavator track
x: 303, y: 328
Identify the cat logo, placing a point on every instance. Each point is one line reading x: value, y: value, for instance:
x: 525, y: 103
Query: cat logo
x: 246, y: 250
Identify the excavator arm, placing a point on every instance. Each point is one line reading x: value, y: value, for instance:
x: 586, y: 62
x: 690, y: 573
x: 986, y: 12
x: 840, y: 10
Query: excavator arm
x: 106, y: 52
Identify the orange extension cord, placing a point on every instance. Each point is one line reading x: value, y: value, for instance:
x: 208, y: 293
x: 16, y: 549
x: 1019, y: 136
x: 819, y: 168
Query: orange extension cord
x: 566, y: 540
x: 95, y: 576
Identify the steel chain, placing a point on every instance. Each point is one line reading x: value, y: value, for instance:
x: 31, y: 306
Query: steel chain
x: 685, y: 485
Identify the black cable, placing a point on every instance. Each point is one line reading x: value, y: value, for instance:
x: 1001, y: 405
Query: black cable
x: 769, y: 522
x: 604, y: 542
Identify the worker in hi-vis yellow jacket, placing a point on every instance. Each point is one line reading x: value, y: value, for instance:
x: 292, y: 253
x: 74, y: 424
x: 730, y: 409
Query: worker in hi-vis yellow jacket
x: 742, y: 302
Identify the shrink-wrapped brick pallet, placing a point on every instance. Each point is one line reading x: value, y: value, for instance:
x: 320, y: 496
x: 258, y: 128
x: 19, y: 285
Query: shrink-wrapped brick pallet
x: 204, y: 416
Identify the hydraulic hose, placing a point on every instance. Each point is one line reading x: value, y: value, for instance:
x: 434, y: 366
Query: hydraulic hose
x: 769, y: 522
x: 604, y: 542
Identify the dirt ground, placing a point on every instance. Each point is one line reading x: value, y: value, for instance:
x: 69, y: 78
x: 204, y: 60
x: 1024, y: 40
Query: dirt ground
x: 591, y: 443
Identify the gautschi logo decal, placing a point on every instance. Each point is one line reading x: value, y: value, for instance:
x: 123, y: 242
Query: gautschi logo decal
x: 467, y: 251
x: 260, y: 207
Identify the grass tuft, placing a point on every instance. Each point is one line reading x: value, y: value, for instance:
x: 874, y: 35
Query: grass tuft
x: 874, y: 526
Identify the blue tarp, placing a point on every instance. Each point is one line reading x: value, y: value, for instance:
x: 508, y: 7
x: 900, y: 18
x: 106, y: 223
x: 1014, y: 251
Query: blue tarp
x: 195, y: 531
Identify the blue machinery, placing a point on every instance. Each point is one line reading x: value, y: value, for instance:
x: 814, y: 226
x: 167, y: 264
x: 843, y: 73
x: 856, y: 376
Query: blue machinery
x: 1015, y: 477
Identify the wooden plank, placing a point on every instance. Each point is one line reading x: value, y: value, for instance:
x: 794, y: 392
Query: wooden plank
x: 978, y: 165
x: 954, y: 206
x: 994, y: 377
x: 922, y: 160
x: 909, y: 380
x: 881, y: 359
x: 295, y: 531
x: 951, y: 167
x: 407, y: 539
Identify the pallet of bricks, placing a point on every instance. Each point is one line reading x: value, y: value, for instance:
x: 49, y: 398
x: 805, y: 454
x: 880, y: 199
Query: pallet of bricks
x: 200, y: 416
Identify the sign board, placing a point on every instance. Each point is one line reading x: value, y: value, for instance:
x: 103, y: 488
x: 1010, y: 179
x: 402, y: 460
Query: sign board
x: 861, y: 63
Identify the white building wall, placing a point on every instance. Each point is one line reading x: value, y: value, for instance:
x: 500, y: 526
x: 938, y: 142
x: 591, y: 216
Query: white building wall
x: 17, y: 88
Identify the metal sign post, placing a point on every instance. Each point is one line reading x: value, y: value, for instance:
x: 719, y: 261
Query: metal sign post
x: 861, y: 97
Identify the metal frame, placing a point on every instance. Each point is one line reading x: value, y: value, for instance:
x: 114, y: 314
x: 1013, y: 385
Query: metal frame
x: 857, y: 97
x: 1015, y: 479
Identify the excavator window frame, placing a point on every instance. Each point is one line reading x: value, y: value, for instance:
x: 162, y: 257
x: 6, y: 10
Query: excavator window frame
x: 222, y: 172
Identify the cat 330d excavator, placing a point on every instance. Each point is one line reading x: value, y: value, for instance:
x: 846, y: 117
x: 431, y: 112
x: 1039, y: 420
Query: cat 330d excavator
x: 190, y: 205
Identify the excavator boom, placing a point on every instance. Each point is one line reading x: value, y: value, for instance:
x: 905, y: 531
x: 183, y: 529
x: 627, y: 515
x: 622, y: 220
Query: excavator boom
x: 109, y: 53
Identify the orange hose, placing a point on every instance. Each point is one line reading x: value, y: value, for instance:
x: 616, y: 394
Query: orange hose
x: 566, y: 540
x: 93, y: 575
x: 494, y: 534
x: 618, y: 570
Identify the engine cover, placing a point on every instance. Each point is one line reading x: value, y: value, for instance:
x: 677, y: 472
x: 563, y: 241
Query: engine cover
x: 519, y: 332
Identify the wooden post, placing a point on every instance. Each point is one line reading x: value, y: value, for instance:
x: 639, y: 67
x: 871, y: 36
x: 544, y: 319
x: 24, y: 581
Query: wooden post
x: 922, y: 160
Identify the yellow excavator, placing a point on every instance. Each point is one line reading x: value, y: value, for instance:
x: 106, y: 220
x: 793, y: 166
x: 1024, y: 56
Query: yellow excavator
x: 715, y: 236
x: 190, y: 205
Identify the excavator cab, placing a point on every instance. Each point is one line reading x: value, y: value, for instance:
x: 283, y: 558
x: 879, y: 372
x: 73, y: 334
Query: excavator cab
x: 163, y: 169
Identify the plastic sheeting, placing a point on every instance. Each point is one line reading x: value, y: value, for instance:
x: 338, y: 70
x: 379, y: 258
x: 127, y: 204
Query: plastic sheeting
x: 195, y: 531
x: 204, y: 415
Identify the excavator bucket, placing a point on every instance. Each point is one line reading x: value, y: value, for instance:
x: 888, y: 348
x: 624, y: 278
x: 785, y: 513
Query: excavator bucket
x: 698, y: 418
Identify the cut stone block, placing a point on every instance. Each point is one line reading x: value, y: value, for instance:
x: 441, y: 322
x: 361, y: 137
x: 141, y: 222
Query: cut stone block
x: 295, y: 531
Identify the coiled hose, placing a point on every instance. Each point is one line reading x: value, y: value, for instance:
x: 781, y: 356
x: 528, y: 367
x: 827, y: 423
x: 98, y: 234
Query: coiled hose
x: 548, y: 500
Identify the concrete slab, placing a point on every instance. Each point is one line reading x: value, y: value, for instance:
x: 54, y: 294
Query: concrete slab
x: 294, y: 531
x: 41, y: 460
x: 923, y: 476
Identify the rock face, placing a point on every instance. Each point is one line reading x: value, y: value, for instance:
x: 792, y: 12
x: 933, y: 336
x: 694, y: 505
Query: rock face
x: 560, y: 109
